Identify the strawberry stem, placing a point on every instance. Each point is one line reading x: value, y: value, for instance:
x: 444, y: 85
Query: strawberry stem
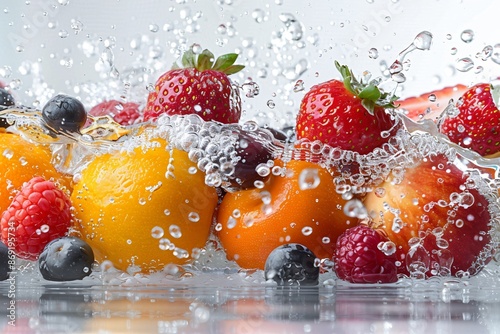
x: 206, y: 61
x: 369, y: 93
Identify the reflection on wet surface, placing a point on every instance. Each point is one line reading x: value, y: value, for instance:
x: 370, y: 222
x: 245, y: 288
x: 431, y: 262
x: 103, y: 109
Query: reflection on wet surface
x: 178, y: 309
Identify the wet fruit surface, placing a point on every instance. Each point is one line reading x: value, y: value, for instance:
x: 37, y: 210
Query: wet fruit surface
x: 300, y: 207
x: 66, y: 259
x: 148, y: 208
x: 21, y: 161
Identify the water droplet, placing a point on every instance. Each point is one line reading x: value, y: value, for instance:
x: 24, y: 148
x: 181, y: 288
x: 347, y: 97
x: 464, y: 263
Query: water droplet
x: 154, y: 27
x: 464, y: 64
x: 175, y: 231
x: 157, y: 232
x: 373, y: 53
x: 259, y: 15
x: 45, y: 228
x: 294, y: 29
x: 432, y: 98
x: 309, y: 179
x: 355, y: 208
x: 307, y: 230
x: 299, y: 86
x: 194, y: 217
x: 8, y: 153
x: 63, y: 33
x: 467, y: 35
x: 423, y: 40
x: 453, y: 51
x: 271, y: 104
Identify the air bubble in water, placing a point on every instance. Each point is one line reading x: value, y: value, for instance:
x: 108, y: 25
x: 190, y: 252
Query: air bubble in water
x: 432, y: 98
x: 309, y: 179
x: 294, y: 30
x: 271, y: 104
x: 157, y: 232
x: 299, y: 86
x: 8, y: 153
x: 467, y: 35
x: 495, y: 56
x: 259, y: 15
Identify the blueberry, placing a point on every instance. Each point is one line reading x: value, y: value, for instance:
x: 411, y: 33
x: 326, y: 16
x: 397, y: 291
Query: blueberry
x: 64, y: 114
x: 6, y: 100
x: 251, y: 151
x: 292, y: 264
x: 4, y: 262
x: 66, y: 259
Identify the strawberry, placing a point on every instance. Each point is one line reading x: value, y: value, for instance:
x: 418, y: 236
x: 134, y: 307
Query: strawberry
x: 39, y: 213
x: 348, y: 114
x: 475, y: 124
x: 123, y: 113
x: 430, y: 105
x: 202, y: 87
x: 359, y: 257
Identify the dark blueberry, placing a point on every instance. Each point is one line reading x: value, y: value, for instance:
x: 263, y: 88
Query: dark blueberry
x: 252, y: 151
x: 5, y: 266
x: 64, y: 114
x: 66, y: 259
x: 292, y: 264
x: 6, y: 100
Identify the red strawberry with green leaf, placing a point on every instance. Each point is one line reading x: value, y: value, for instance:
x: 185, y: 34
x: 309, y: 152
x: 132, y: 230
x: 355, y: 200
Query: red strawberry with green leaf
x: 201, y: 87
x: 349, y: 114
x: 475, y: 123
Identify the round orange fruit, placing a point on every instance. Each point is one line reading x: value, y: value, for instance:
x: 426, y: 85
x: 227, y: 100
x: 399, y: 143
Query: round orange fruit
x: 302, y: 206
x: 146, y: 208
x: 20, y: 161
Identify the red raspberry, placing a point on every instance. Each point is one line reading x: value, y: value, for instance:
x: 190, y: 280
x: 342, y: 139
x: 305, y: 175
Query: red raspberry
x: 123, y: 113
x: 38, y: 214
x: 358, y: 258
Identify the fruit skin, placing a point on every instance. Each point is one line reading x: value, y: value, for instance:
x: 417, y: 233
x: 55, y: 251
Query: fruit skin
x: 424, y: 199
x: 5, y: 266
x: 358, y: 258
x: 477, y: 124
x: 424, y: 107
x: 347, y: 114
x: 256, y: 221
x: 121, y: 197
x: 202, y: 87
x: 20, y: 161
x: 123, y: 113
x: 39, y: 213
x: 64, y: 114
x: 66, y: 259
x: 292, y: 264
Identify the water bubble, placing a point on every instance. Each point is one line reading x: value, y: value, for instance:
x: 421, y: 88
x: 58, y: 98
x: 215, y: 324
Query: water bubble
x: 299, y: 86
x: 423, y: 40
x: 154, y: 27
x: 175, y: 231
x: 387, y: 247
x: 464, y: 64
x: 165, y: 244
x: 166, y: 212
x: 77, y: 26
x: 453, y: 51
x: 307, y: 230
x: 373, y: 53
x: 8, y: 153
x: 495, y: 56
x: 157, y: 232
x: 194, y: 217
x: 259, y: 15
x: 294, y: 29
x: 63, y: 33
x: 309, y: 179
x: 355, y: 208
x: 271, y: 104
x: 397, y: 224
x: 486, y: 53
x: 467, y: 35
x: 432, y: 98
x: 45, y: 228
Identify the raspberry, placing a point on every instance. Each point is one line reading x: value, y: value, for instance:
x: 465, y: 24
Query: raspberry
x: 38, y: 214
x: 358, y: 258
x: 123, y: 113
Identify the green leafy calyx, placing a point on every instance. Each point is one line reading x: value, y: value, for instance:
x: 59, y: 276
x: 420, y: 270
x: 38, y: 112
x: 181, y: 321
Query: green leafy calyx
x: 369, y: 93
x: 206, y: 61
